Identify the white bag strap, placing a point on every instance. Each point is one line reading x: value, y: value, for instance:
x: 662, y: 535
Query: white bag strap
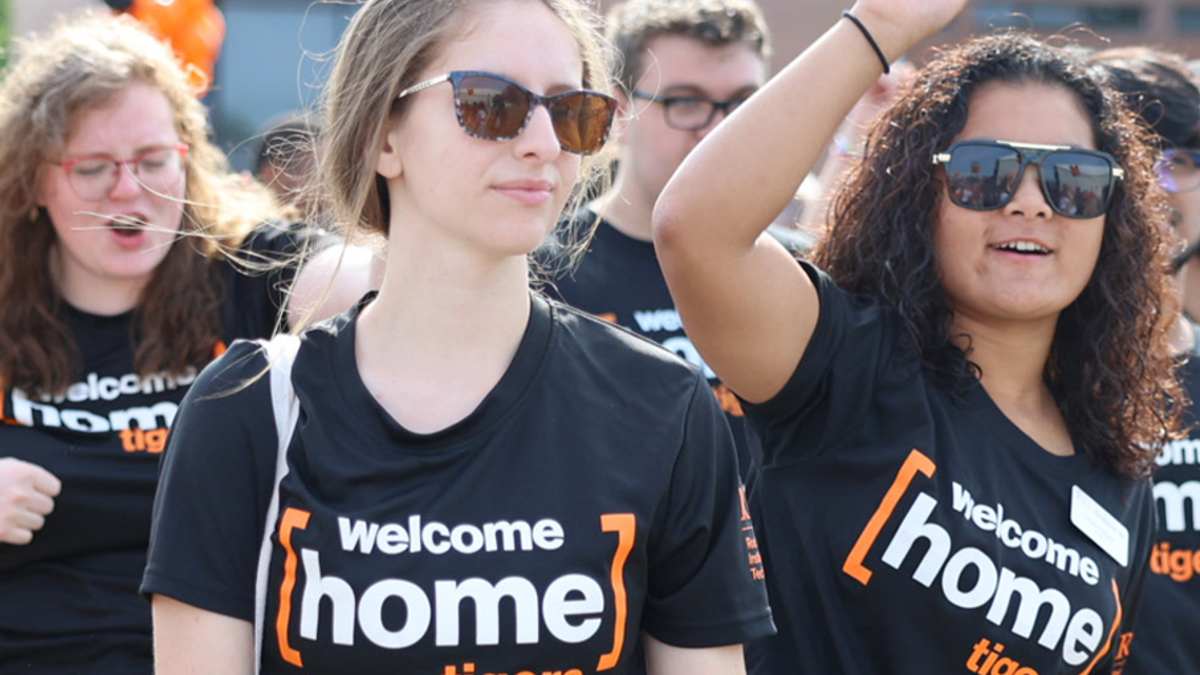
x: 281, y: 354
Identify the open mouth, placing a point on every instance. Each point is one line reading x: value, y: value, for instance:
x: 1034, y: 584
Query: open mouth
x: 1022, y: 248
x: 127, y: 226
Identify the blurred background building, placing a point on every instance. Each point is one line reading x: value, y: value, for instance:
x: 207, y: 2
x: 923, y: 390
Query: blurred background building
x: 275, y: 52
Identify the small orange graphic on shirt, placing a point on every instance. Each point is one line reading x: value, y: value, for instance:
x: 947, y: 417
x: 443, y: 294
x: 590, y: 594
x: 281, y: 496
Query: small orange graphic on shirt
x: 728, y: 400
x: 753, y: 557
x: 1180, y: 564
x: 152, y: 441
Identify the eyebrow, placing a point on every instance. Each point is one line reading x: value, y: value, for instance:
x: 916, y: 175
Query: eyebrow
x: 694, y: 91
x: 136, y: 151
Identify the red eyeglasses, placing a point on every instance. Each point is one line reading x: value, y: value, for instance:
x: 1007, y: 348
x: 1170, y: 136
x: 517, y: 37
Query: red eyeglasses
x: 158, y: 169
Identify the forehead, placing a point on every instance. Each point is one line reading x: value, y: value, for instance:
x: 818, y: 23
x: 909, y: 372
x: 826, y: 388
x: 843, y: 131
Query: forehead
x: 139, y: 115
x: 522, y: 39
x: 1029, y: 112
x: 673, y: 60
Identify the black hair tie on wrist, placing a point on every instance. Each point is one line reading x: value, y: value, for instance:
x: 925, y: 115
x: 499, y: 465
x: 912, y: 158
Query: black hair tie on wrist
x: 867, y: 34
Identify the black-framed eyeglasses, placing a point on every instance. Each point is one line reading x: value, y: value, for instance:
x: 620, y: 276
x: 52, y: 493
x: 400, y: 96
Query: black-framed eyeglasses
x: 984, y: 175
x: 691, y: 113
x: 1178, y: 169
x: 159, y: 169
x: 495, y: 108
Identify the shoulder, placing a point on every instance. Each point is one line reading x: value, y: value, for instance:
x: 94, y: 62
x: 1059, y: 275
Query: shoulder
x: 274, y: 241
x: 616, y: 347
x: 236, y: 371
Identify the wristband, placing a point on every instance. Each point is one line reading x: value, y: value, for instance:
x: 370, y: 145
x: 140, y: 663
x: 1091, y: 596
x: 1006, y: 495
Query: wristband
x: 867, y: 34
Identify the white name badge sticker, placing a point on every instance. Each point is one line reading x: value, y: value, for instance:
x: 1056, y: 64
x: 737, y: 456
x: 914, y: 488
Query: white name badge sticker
x: 1099, y: 525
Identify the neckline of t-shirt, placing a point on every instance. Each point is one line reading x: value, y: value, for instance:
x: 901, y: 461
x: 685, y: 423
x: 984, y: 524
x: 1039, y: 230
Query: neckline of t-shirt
x: 359, y: 403
x: 612, y: 235
x: 1025, y: 448
x: 74, y: 314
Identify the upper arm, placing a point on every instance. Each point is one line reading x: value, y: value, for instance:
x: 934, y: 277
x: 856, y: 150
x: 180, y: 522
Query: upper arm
x: 750, y: 311
x: 701, y: 590
x: 331, y: 281
x: 664, y: 659
x: 189, y: 640
x: 215, y: 485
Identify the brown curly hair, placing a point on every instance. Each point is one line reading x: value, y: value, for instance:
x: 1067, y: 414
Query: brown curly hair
x: 1109, y: 366
x: 57, y: 78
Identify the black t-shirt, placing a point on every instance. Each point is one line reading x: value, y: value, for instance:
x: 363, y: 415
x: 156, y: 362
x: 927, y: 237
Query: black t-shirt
x: 542, y: 533
x: 619, y: 280
x: 1168, y: 627
x: 906, y: 533
x: 69, y: 600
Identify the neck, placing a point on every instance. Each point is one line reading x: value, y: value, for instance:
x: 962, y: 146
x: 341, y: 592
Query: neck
x: 437, y: 339
x: 627, y: 208
x: 431, y: 305
x: 1011, y: 356
x: 92, y: 294
x: 1013, y: 359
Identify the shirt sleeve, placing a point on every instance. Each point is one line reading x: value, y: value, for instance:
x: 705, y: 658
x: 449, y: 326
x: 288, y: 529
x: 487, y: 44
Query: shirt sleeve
x: 706, y: 585
x: 1131, y: 597
x: 217, y: 476
x: 260, y: 272
x: 853, y: 347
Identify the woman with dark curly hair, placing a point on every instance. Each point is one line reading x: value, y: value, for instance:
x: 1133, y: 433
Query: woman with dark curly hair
x: 960, y: 401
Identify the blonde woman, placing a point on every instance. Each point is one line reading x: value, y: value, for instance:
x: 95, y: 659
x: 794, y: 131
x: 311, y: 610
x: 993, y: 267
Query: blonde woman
x: 472, y: 486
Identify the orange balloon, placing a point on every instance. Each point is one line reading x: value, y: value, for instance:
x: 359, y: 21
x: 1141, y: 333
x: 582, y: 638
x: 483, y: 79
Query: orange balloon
x: 194, y: 28
x: 166, y: 18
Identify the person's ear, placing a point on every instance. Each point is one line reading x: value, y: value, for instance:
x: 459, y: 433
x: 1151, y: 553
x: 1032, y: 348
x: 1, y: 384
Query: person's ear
x: 390, y: 163
x: 625, y: 114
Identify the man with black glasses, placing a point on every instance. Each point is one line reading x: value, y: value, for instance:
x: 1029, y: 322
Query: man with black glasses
x: 1158, y: 86
x: 685, y: 67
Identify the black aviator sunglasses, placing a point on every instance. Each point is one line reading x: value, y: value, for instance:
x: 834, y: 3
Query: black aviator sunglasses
x: 983, y: 175
x: 495, y: 108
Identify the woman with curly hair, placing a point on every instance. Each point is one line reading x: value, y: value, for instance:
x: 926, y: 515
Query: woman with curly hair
x: 124, y: 248
x: 961, y: 398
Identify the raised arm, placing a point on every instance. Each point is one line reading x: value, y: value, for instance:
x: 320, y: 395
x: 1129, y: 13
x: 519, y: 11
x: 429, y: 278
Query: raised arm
x: 746, y: 304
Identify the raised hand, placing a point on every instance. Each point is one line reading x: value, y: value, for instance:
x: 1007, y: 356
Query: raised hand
x: 27, y: 493
x: 900, y: 24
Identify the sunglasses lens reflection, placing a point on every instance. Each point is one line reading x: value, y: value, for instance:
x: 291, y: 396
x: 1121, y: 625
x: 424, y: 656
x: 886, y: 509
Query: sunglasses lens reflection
x: 1077, y: 185
x: 581, y: 121
x: 985, y: 177
x: 493, y: 108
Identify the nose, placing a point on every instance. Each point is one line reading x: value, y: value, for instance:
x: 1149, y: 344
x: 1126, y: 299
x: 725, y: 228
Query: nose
x: 538, y: 139
x: 126, y: 185
x: 1028, y: 200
